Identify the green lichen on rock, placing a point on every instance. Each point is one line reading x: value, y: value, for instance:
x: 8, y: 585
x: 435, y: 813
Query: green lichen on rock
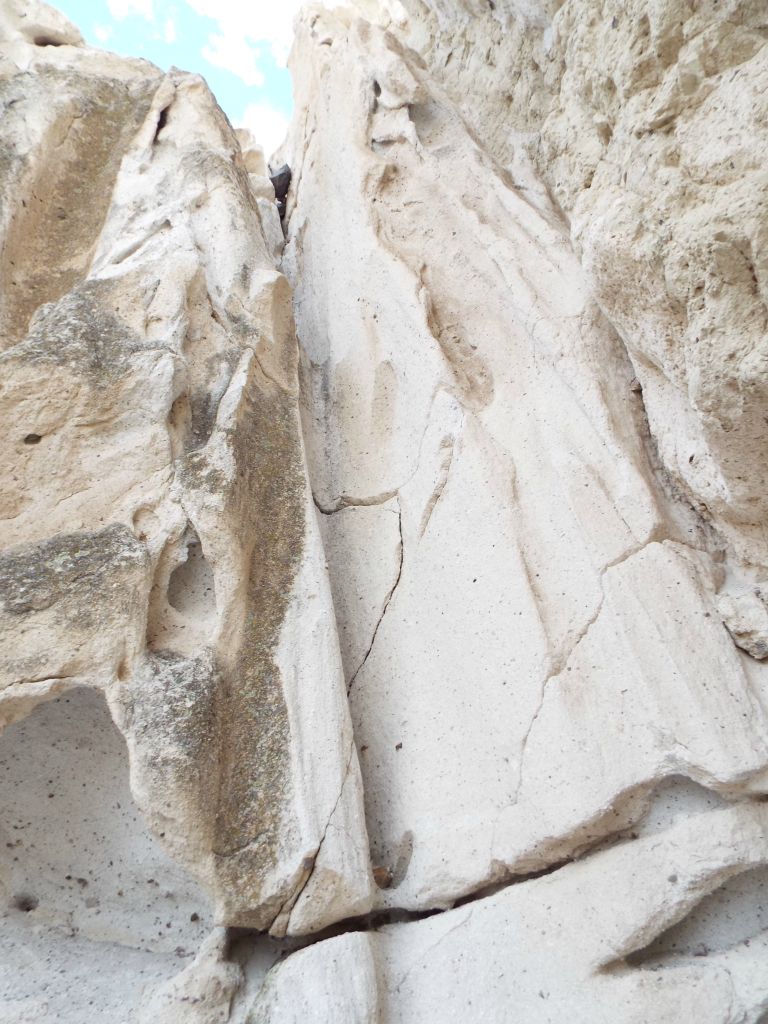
x: 71, y: 605
x: 170, y: 712
x: 255, y: 782
x: 175, y: 699
x: 85, y: 573
x: 80, y: 332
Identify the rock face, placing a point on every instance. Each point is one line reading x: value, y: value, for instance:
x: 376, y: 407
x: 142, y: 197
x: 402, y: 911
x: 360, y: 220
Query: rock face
x: 383, y: 605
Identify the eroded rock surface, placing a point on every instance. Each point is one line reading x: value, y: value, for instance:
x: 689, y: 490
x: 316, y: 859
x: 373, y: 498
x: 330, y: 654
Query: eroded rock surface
x: 383, y: 627
x: 161, y: 543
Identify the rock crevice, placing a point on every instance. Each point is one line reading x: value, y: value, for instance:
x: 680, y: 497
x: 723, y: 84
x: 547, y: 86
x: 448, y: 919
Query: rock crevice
x: 384, y: 537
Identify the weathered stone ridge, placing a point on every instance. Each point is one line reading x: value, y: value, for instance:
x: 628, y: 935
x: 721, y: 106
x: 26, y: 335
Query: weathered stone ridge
x: 383, y: 598
x: 160, y: 536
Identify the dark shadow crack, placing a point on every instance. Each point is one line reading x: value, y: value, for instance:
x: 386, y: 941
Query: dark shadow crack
x: 387, y: 601
x: 309, y: 863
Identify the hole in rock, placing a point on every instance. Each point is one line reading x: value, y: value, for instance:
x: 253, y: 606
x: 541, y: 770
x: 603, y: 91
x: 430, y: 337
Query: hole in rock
x: 256, y: 954
x: 162, y: 121
x: 182, y: 615
x: 33, y: 439
x: 180, y: 424
x: 604, y: 132
x: 191, y: 588
x: 430, y: 121
x: 112, y: 911
x: 25, y: 902
x: 46, y: 41
x: 179, y: 414
x: 146, y: 524
x: 732, y: 914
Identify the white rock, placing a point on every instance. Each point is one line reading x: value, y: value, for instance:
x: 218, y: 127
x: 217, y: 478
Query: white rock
x: 203, y: 992
x: 647, y: 123
x: 746, y: 616
x: 556, y: 948
x: 465, y: 586
x: 161, y: 542
x: 333, y: 980
x: 529, y: 508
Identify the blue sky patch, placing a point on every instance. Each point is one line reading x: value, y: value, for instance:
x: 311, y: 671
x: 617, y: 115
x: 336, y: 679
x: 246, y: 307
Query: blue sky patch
x: 239, y: 47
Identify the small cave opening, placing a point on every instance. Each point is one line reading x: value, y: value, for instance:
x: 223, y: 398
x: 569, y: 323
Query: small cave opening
x: 89, y: 899
x: 191, y: 588
x: 25, y: 902
x: 183, y: 611
x: 162, y: 121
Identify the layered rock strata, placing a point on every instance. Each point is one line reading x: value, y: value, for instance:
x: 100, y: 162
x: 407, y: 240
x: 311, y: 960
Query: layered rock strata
x: 393, y: 589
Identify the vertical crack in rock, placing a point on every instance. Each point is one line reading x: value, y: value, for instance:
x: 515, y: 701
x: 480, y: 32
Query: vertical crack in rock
x: 387, y: 600
x: 508, y: 306
x: 556, y: 670
x: 524, y: 251
x: 280, y: 924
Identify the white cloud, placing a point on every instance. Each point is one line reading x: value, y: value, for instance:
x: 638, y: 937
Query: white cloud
x: 240, y: 20
x: 170, y: 31
x: 234, y: 54
x: 267, y: 125
x: 120, y: 9
x: 102, y: 32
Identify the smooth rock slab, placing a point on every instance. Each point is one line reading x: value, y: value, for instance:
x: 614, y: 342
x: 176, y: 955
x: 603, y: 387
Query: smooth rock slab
x: 555, y: 948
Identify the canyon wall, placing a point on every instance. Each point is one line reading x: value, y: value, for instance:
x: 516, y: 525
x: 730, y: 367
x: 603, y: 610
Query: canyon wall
x: 384, y: 593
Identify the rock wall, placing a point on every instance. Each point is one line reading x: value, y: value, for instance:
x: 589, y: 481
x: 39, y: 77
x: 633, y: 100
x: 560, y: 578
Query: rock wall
x: 383, y: 615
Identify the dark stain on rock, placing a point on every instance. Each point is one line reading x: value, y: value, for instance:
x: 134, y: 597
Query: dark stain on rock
x: 170, y: 710
x: 94, y: 123
x: 256, y: 776
x: 204, y: 399
x: 86, y: 583
x: 80, y: 332
x: 92, y: 566
x: 267, y: 502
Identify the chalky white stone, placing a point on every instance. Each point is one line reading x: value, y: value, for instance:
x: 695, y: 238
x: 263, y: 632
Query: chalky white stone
x: 383, y: 616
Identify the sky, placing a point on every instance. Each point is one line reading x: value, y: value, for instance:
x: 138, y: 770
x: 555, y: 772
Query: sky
x: 239, y: 46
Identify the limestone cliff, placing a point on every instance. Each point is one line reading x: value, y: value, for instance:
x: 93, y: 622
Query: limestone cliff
x: 385, y: 587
